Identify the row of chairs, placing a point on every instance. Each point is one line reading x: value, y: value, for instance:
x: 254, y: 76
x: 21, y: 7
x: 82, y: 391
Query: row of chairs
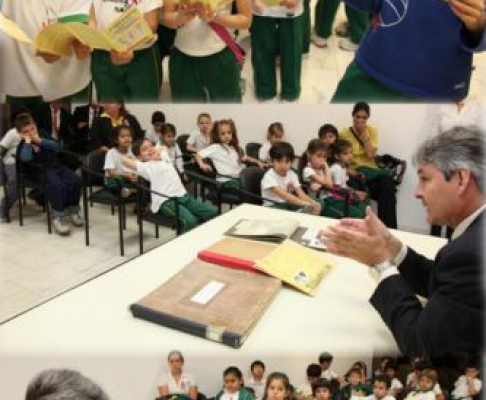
x: 95, y: 192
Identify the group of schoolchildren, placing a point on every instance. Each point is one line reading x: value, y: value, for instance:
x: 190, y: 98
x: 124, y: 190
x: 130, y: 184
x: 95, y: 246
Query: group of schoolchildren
x: 398, y: 58
x: 315, y: 185
x: 322, y: 383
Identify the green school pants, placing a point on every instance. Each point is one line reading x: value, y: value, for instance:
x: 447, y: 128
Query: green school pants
x: 356, y: 84
x: 191, y: 212
x: 325, y: 13
x: 306, y: 27
x: 209, y: 79
x: 334, y: 208
x: 269, y: 37
x: 285, y: 206
x: 138, y: 81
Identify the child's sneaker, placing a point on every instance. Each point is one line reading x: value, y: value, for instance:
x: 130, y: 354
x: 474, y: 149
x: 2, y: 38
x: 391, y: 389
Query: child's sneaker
x: 342, y: 30
x: 127, y: 192
x: 61, y: 225
x: 319, y: 41
x: 75, y: 214
x: 347, y: 45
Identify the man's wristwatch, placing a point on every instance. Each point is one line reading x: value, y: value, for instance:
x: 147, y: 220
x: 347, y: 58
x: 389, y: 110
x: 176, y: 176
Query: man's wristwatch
x: 382, y: 266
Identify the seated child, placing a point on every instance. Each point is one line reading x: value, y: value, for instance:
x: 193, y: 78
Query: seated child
x: 257, y: 379
x: 342, y: 156
x: 63, y: 186
x: 328, y: 133
x: 116, y: 173
x: 396, y: 386
x: 381, y: 388
x: 428, y: 380
x: 158, y: 121
x: 355, y: 388
x: 325, y: 361
x: 233, y: 386
x: 164, y: 179
x: 8, y: 149
x: 280, y: 183
x: 167, y: 141
x: 201, y: 137
x: 225, y: 154
x: 278, y: 387
x: 275, y: 134
x: 468, y: 385
x: 305, y: 392
x: 322, y: 389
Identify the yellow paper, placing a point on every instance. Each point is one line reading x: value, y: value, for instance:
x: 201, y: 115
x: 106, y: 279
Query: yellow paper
x: 213, y: 4
x: 125, y: 33
x: 296, y: 265
x: 55, y: 39
x: 272, y: 3
x: 128, y: 31
x: 13, y: 30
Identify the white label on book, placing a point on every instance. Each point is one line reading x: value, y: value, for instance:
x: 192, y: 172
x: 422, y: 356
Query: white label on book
x: 214, y: 333
x: 210, y: 290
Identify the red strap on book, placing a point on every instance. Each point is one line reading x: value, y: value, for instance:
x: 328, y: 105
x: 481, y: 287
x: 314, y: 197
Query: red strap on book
x: 227, y: 261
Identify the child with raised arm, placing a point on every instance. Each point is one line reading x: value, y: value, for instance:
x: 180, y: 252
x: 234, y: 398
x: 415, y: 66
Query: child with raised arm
x: 201, y: 137
x: 225, y: 153
x: 63, y: 186
x: 468, y: 385
x: 233, y: 386
x: 116, y: 173
x: 282, y: 185
x: 275, y: 134
x: 165, y: 180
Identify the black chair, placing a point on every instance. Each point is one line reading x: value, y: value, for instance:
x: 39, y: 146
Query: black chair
x: 93, y: 177
x: 252, y: 149
x: 251, y: 179
x: 31, y: 175
x: 182, y: 143
x: 158, y: 219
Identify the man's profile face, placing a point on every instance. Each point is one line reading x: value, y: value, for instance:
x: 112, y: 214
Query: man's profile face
x: 438, y: 196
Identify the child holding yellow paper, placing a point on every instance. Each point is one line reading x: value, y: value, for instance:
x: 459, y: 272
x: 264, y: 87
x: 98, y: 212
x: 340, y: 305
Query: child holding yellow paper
x: 202, y: 65
x: 28, y: 77
x: 277, y: 29
x: 134, y: 75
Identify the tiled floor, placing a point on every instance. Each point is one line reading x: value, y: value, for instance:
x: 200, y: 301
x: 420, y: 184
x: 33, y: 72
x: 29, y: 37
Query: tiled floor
x: 35, y: 266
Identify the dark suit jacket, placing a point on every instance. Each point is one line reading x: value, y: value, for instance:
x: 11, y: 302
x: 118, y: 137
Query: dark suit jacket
x: 102, y: 132
x: 42, y: 116
x: 452, y: 320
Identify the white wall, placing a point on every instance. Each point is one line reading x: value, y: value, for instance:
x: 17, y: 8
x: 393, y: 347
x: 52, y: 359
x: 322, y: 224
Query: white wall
x: 136, y: 378
x: 400, y: 128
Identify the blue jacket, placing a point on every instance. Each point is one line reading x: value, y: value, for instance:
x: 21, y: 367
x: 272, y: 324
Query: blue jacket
x: 418, y: 47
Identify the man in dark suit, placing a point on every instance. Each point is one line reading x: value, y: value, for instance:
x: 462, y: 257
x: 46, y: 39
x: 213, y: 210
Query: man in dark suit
x: 450, y: 170
x: 83, y: 117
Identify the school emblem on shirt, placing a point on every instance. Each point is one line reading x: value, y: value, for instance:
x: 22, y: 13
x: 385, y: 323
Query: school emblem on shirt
x: 123, y: 5
x: 393, y: 12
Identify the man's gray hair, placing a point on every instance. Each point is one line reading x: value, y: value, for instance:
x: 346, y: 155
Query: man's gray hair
x: 457, y: 148
x: 63, y: 384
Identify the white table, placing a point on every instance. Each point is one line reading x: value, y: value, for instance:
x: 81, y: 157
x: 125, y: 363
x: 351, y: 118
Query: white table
x: 94, y: 320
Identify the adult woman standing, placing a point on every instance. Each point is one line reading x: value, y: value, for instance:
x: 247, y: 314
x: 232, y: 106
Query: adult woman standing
x: 176, y: 381
x: 364, y: 139
x: 202, y: 64
x: 102, y: 128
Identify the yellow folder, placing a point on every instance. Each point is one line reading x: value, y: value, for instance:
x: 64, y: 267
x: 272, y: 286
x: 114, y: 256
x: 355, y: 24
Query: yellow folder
x: 297, y: 266
x: 125, y: 33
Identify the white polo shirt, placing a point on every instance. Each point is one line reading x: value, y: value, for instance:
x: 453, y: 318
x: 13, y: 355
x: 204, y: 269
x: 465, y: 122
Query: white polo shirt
x: 271, y: 179
x: 225, y: 159
x: 183, y: 386
x: 23, y: 74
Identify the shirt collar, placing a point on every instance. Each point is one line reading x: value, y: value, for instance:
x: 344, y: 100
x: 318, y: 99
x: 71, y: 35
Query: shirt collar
x: 462, y: 227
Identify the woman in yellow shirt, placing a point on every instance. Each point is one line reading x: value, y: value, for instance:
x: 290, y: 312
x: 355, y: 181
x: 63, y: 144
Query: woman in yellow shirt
x: 364, y: 140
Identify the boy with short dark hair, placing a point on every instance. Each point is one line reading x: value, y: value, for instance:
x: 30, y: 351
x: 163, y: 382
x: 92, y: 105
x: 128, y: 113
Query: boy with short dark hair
x: 381, y: 388
x: 305, y: 391
x: 257, y: 379
x: 281, y: 185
